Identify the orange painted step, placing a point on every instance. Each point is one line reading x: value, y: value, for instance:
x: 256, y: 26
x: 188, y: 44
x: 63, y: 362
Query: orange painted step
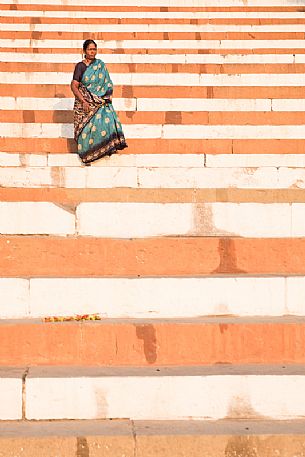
x: 147, y: 20
x: 62, y: 91
x: 161, y: 146
x: 151, y: 343
x: 36, y: 35
x: 166, y: 117
x: 76, y: 196
x: 159, y: 68
x: 95, y: 257
x: 35, y: 50
x: 63, y: 7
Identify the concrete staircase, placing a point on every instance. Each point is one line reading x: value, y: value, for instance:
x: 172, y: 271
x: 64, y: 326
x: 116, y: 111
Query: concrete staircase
x: 187, y: 250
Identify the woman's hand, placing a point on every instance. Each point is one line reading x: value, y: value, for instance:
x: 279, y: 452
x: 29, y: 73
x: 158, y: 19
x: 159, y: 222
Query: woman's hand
x: 86, y: 106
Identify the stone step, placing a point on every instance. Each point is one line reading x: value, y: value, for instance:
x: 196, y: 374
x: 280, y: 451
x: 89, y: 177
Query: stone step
x: 156, y: 160
x: 111, y: 15
x: 150, y: 438
x: 224, y: 44
x: 142, y: 220
x: 248, y: 107
x: 171, y: 117
x: 264, y: 37
x: 165, y: 393
x: 152, y: 342
x: 80, y: 257
x: 232, y: 59
x: 162, y: 3
x: 73, y: 197
x: 153, y: 298
x: 160, y: 146
x: 102, y: 177
x: 155, y: 51
x: 229, y: 15
x: 164, y: 68
x: 166, y: 92
x: 185, y: 28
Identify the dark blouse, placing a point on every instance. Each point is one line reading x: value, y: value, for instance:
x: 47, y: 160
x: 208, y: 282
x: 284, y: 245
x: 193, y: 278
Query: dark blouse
x: 79, y: 70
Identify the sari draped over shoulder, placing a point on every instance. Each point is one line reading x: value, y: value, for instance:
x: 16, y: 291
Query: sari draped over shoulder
x: 98, y: 133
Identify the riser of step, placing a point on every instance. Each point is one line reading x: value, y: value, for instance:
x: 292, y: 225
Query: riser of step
x: 141, y: 343
x: 169, y: 92
x: 145, y: 106
x: 152, y: 298
x: 186, y: 59
x: 158, y: 161
x: 163, y: 79
x: 130, y: 37
x: 141, y: 220
x: 99, y: 177
x: 148, y: 439
x: 176, y: 257
x: 208, y: 393
x: 231, y: 13
x: 73, y: 197
x: 225, y: 44
x: 227, y: 29
x: 163, y: 3
x: 162, y: 146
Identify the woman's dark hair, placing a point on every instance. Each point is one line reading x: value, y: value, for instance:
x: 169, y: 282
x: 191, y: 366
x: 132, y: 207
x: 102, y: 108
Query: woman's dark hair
x: 87, y: 43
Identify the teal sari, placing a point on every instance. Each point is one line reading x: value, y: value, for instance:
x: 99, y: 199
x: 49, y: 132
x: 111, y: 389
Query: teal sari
x: 98, y: 133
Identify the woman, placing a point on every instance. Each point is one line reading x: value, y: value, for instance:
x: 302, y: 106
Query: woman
x: 97, y: 129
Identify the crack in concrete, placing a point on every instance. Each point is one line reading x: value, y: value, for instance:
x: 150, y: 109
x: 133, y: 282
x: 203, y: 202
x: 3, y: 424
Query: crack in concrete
x: 135, y: 450
x: 24, y: 393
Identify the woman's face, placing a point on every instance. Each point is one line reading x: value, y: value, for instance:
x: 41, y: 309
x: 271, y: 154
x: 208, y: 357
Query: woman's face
x: 91, y: 51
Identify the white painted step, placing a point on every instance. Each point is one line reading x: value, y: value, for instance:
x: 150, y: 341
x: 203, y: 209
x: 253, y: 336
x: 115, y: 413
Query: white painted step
x: 39, y: 11
x: 157, y: 160
x: 162, y: 3
x: 156, y: 44
x: 153, y: 298
x: 165, y: 79
x: 99, y: 177
x: 142, y: 220
x: 166, y: 131
x: 160, y: 58
x: 160, y: 104
x: 166, y: 393
x: 11, y: 393
x: 181, y: 28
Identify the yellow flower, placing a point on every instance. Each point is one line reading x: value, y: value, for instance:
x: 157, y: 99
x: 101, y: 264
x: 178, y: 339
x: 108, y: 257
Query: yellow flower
x: 93, y: 129
x: 93, y: 78
x: 91, y: 141
x: 95, y: 67
x: 107, y: 120
x: 100, y: 75
x: 84, y: 135
x: 79, y: 147
x: 90, y: 125
x: 103, y: 133
x: 86, y: 78
x: 98, y: 116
